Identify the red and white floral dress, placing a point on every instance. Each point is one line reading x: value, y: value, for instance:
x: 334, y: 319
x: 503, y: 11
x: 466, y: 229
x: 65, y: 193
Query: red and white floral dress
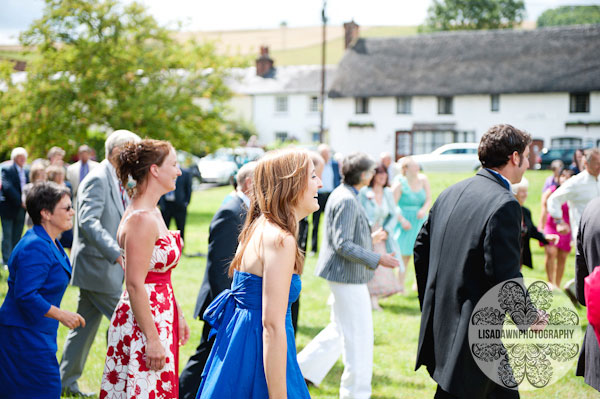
x: 125, y: 373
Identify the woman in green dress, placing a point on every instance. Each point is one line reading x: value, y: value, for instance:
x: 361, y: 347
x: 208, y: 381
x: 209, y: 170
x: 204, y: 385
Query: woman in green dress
x: 413, y: 196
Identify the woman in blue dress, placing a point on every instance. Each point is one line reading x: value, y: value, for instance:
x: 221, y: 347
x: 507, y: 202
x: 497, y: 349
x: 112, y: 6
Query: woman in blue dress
x: 39, y: 272
x: 254, y: 355
x: 412, y: 193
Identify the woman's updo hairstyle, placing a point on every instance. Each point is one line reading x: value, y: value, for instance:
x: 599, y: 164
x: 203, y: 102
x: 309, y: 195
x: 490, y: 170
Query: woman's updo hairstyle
x: 135, y: 160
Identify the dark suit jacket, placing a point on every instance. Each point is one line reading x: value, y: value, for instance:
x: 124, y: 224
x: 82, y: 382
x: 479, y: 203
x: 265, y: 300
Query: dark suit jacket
x: 224, y: 231
x: 183, y: 190
x: 39, y: 273
x: 469, y: 243
x: 586, y: 259
x: 531, y: 232
x: 11, y: 191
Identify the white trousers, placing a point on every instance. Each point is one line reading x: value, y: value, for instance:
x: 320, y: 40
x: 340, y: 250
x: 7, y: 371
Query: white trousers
x: 350, y: 334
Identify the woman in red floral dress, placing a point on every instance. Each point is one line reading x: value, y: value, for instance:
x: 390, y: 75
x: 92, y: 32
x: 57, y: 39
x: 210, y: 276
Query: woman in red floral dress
x: 147, y: 326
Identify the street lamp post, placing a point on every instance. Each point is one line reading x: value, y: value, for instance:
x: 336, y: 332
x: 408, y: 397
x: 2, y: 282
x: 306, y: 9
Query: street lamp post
x: 322, y: 97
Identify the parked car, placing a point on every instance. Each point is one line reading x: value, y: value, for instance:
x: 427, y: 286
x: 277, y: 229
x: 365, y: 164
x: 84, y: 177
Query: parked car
x: 455, y: 157
x: 548, y: 155
x: 218, y: 167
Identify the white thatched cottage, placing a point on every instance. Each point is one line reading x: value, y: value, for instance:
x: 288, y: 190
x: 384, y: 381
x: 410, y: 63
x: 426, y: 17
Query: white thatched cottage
x: 409, y: 95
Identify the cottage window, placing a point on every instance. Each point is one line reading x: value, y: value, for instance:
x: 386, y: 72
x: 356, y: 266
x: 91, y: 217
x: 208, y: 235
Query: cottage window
x: 281, y: 104
x: 566, y: 142
x: 316, y: 137
x: 445, y: 105
x: 580, y: 102
x: 361, y: 105
x: 403, y: 105
x: 281, y: 136
x: 495, y: 102
x: 313, y: 104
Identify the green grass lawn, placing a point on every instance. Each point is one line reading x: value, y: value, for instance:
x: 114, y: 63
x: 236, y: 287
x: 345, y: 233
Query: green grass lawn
x: 396, y: 327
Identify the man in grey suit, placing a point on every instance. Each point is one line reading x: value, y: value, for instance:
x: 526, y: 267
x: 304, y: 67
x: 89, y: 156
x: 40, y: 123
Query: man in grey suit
x: 347, y: 261
x: 587, y: 258
x: 96, y: 257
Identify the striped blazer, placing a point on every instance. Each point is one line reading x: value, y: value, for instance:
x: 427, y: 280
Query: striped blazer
x: 346, y: 254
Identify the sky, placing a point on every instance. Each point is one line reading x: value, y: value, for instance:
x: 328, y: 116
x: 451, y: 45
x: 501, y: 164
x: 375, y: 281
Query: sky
x: 16, y: 15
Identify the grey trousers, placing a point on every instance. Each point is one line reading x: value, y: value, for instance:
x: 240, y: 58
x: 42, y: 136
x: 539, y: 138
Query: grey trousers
x: 91, y: 305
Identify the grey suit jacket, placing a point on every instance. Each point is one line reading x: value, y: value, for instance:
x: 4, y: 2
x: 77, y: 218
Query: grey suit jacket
x: 346, y: 254
x: 587, y: 258
x: 95, y: 248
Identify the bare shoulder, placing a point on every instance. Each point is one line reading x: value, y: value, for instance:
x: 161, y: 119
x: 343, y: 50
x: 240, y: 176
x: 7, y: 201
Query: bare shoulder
x: 141, y: 225
x: 276, y: 238
x: 423, y: 177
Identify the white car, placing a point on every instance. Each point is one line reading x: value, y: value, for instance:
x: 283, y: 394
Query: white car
x: 218, y: 167
x: 455, y: 157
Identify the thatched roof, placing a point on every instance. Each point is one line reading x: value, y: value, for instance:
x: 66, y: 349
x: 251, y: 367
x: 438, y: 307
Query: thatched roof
x: 561, y: 59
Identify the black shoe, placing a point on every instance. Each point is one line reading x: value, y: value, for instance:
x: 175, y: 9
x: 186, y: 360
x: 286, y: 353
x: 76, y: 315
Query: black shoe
x: 571, y: 295
x: 76, y: 393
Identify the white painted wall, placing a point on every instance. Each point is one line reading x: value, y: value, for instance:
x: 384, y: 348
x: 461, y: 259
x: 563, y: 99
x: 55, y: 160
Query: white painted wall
x: 543, y: 115
x: 298, y: 121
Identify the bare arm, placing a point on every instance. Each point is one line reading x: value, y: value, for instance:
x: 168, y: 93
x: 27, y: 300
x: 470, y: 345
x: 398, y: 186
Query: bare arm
x: 140, y: 235
x: 423, y: 211
x: 544, y: 211
x: 279, y: 261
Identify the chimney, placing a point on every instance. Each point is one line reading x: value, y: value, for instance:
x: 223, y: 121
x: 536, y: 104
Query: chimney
x: 264, y: 63
x: 350, y: 33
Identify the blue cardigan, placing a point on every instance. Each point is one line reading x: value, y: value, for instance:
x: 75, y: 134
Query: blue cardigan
x: 39, y: 273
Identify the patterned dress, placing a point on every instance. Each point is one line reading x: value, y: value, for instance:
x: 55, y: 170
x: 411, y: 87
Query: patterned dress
x: 125, y: 373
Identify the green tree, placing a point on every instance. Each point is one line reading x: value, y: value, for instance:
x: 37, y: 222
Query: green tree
x: 569, y: 15
x: 473, y: 14
x: 101, y: 65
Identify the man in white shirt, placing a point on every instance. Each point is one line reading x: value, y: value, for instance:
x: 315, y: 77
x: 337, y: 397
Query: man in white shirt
x: 578, y: 191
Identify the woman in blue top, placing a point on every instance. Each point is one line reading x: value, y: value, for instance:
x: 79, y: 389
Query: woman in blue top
x: 380, y: 207
x: 412, y: 193
x: 254, y: 355
x: 39, y: 272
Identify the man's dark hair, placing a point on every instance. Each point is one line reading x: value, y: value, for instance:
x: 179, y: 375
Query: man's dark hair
x: 44, y: 196
x: 499, y: 143
x: 354, y: 165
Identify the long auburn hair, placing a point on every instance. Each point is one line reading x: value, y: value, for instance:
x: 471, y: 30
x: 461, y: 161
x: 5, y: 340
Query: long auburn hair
x: 280, y: 178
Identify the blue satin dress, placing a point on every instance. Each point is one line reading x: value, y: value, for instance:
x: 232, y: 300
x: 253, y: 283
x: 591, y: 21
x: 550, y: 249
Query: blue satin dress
x: 234, y: 368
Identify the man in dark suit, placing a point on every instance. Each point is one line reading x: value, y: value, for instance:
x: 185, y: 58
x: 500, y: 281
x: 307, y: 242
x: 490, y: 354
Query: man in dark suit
x: 12, y: 205
x: 174, y: 204
x: 224, y: 230
x: 470, y: 243
x: 331, y: 179
x: 586, y: 259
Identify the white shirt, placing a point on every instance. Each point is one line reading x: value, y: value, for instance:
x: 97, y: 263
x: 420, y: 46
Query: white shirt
x: 113, y: 174
x: 578, y: 191
x: 244, y: 198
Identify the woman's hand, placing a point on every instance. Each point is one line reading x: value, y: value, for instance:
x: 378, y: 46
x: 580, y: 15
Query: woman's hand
x: 155, y: 355
x: 552, y: 238
x: 421, y: 213
x: 71, y: 320
x: 184, y: 330
x: 405, y: 225
x: 379, y: 235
